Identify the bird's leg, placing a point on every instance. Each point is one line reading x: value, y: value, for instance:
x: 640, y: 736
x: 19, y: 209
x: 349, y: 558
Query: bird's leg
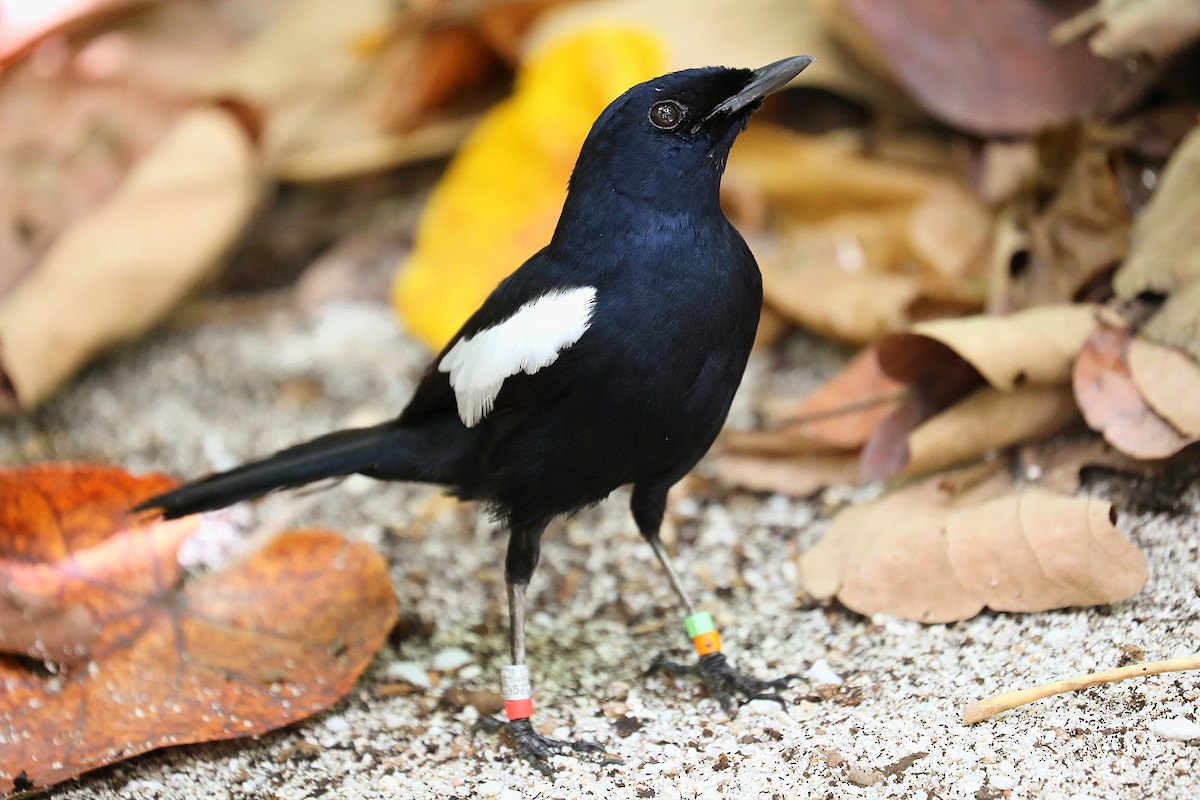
x: 518, y: 698
x: 723, y: 682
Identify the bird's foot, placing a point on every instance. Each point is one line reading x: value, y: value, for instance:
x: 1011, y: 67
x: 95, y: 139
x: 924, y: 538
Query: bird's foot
x: 536, y: 749
x: 724, y: 683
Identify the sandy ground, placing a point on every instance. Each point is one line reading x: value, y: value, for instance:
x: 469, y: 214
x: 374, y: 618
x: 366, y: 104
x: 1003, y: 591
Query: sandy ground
x: 206, y: 394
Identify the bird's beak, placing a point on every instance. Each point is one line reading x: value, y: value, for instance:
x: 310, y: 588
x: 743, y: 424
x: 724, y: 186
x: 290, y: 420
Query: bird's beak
x: 762, y: 82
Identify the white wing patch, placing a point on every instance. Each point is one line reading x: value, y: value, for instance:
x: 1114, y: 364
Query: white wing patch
x: 530, y: 339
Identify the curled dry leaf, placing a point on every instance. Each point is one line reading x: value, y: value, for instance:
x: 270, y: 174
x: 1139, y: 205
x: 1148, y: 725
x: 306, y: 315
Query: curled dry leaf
x: 88, y: 111
x: 982, y: 422
x: 854, y: 242
x: 1164, y: 256
x: 150, y: 656
x: 122, y: 267
x: 935, y: 555
x: 1111, y: 403
x: 990, y: 68
x: 1023, y: 360
x: 1035, y: 347
x: 1137, y: 28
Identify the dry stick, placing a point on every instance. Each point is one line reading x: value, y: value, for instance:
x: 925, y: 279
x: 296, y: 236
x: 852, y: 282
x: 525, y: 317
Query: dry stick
x: 991, y: 706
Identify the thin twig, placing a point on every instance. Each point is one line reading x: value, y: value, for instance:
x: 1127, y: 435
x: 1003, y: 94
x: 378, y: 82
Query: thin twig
x: 991, y: 706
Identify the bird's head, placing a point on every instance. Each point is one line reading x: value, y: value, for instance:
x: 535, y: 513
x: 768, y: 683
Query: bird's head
x: 671, y: 136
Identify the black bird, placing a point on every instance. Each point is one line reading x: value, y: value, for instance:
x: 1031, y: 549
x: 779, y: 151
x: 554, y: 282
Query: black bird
x: 608, y: 358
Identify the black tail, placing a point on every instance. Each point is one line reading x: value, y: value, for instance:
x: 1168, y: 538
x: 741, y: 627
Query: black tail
x: 388, y: 451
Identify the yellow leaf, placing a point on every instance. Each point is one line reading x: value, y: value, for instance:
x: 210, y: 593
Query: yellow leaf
x: 500, y: 198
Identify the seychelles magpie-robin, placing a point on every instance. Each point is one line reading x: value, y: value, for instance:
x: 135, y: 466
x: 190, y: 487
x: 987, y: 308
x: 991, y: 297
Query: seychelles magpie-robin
x: 608, y: 358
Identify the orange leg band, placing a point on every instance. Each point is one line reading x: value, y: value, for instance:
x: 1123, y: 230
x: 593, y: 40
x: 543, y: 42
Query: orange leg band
x: 707, y: 643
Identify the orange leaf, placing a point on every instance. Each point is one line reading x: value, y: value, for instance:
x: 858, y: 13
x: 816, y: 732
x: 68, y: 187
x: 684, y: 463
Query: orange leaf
x: 839, y: 415
x: 149, y: 656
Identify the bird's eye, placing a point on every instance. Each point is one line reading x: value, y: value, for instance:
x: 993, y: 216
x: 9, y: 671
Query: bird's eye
x: 666, y: 115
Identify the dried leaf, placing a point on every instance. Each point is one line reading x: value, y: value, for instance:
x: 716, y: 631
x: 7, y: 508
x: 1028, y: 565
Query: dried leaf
x: 508, y: 178
x: 1033, y: 347
x: 1008, y: 77
x: 170, y: 659
x: 1169, y: 382
x: 985, y: 421
x: 1177, y: 323
x: 22, y: 25
x: 90, y: 114
x: 1027, y: 354
x: 809, y: 285
x: 798, y: 476
x: 927, y: 554
x: 855, y: 242
x: 1164, y: 256
x: 1135, y: 28
x: 1111, y: 403
x: 748, y: 33
x: 839, y: 415
x: 106, y: 280
x: 1084, y: 231
x: 353, y: 109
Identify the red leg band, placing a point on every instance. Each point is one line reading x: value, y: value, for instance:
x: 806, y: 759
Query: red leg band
x: 518, y: 709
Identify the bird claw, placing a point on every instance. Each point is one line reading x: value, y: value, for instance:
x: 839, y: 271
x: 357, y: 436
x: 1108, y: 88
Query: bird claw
x: 535, y: 749
x: 724, y: 683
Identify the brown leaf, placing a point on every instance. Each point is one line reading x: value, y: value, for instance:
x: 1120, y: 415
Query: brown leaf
x: 810, y: 288
x: 377, y: 97
x: 447, y: 63
x: 1169, y: 381
x: 1084, y: 231
x: 170, y: 659
x: 106, y: 279
x: 985, y: 421
x: 1177, y: 323
x: 1058, y: 464
x: 1135, y: 28
x: 1008, y: 77
x: 1164, y: 256
x: 839, y: 415
x: 928, y: 554
x: 1035, y: 347
x: 1112, y: 405
x: 748, y: 33
x: 799, y: 475
x: 1026, y: 359
x: 88, y: 114
x: 853, y: 243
